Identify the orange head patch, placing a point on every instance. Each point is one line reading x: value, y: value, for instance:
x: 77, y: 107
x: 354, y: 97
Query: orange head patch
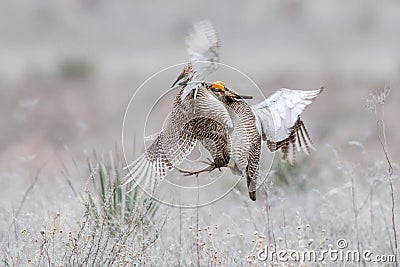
x: 219, y: 85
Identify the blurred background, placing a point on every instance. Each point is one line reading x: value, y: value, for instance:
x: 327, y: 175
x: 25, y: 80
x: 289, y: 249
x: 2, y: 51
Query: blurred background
x: 69, y: 68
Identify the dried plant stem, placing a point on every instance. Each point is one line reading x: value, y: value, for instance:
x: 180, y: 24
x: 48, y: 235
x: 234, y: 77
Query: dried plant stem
x: 197, y: 222
x: 380, y: 125
x: 284, y: 227
x: 180, y: 236
x: 393, y: 221
x: 353, y: 198
x: 29, y: 189
x: 271, y: 233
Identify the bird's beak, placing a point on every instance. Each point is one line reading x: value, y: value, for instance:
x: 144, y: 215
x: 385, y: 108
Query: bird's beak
x: 245, y: 96
x: 180, y: 77
x: 239, y: 96
x: 184, y: 83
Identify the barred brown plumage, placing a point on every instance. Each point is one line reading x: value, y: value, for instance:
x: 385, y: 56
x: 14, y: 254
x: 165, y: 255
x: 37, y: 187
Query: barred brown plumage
x: 193, y: 108
x: 246, y: 143
x: 298, y: 137
x: 230, y: 129
x: 210, y: 125
x: 275, y: 120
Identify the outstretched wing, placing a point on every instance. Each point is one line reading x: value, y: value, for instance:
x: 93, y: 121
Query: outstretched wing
x: 278, y: 121
x: 171, y: 146
x: 178, y: 137
x: 203, y: 48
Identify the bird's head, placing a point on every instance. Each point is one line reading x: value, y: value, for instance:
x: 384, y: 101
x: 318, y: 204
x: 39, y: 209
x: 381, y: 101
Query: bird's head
x: 223, y: 93
x: 184, y: 76
x: 219, y: 90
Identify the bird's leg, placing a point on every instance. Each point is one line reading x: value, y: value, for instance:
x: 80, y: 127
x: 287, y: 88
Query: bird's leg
x: 211, y: 163
x: 209, y: 168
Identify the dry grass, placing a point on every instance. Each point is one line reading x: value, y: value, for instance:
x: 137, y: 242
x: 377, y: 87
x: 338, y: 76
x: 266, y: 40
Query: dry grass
x: 115, y: 227
x: 307, y: 208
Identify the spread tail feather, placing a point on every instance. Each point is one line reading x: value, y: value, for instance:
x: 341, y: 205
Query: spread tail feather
x: 252, y: 195
x: 251, y: 186
x: 298, y: 140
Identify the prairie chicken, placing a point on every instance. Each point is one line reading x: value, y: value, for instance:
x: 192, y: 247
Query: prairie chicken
x: 275, y: 120
x: 197, y: 115
x: 203, y: 47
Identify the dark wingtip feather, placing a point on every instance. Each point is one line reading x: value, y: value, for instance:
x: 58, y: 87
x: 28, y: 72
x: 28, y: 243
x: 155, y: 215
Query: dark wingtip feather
x: 252, y: 195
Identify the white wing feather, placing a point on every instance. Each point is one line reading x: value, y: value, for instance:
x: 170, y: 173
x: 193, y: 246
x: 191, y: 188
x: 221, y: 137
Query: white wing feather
x: 203, y: 48
x: 276, y: 115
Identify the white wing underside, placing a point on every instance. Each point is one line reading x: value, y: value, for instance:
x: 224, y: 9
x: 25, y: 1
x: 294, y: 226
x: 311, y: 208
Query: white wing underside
x: 203, y: 49
x: 278, y: 121
x: 276, y: 115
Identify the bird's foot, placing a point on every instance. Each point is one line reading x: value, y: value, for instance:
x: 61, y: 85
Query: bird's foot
x: 209, y: 168
x: 217, y: 163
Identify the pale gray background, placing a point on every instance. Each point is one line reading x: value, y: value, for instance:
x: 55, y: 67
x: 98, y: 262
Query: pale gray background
x: 69, y: 68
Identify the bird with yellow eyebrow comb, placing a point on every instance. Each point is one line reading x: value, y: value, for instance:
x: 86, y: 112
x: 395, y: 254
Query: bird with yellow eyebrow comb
x: 203, y: 46
x: 275, y: 121
x: 197, y: 115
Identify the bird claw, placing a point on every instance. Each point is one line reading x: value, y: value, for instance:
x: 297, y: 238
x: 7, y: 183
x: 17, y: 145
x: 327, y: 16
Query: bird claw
x: 189, y: 173
x: 209, y: 168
